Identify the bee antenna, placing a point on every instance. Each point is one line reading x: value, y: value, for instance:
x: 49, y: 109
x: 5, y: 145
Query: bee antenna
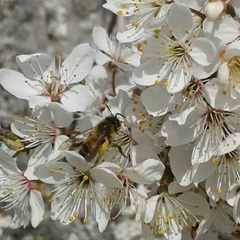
x: 112, y: 113
x: 109, y: 109
x: 119, y: 114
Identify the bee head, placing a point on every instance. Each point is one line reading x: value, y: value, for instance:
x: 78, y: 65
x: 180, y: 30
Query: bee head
x: 114, y: 121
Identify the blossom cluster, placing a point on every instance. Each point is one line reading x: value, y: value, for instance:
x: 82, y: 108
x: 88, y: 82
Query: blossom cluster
x: 148, y: 119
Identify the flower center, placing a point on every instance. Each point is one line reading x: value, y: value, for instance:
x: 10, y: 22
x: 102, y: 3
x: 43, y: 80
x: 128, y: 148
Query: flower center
x: 234, y: 71
x: 194, y: 89
x: 214, y: 119
x: 54, y: 89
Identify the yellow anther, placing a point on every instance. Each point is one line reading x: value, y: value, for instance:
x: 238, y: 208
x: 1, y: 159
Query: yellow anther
x: 105, y: 198
x: 160, y: 232
x: 51, y: 171
x: 85, y: 178
x: 85, y: 220
x: 166, y: 221
x: 218, y: 190
x: 215, y: 160
x: 47, y: 194
x: 60, y: 168
x: 75, y: 214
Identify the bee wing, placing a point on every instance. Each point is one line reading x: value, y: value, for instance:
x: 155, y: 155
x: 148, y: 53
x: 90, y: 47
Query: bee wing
x: 78, y: 139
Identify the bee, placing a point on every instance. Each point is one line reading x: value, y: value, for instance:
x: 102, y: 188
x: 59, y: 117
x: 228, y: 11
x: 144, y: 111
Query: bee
x: 95, y: 141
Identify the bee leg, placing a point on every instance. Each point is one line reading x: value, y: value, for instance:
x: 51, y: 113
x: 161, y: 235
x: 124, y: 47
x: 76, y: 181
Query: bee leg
x: 103, y: 148
x: 119, y: 149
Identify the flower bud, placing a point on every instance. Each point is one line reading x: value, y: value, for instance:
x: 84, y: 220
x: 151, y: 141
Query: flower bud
x: 215, y: 9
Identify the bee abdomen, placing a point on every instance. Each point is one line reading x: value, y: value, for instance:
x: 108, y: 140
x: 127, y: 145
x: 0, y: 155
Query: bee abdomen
x: 84, y: 151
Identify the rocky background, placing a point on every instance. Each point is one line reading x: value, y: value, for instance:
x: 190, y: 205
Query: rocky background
x: 55, y: 27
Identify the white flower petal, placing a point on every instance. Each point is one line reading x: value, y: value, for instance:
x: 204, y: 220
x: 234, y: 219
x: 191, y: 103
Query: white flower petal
x: 53, y: 172
x: 147, y: 172
x: 37, y: 207
x: 16, y: 83
x: 62, y: 117
x: 78, y: 64
x: 106, y: 177
x: 202, y: 51
x: 101, y: 39
x: 179, y: 27
x: 78, y: 161
x: 77, y: 98
x: 7, y: 163
x: 150, y: 208
x: 147, y: 73
x: 36, y: 64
